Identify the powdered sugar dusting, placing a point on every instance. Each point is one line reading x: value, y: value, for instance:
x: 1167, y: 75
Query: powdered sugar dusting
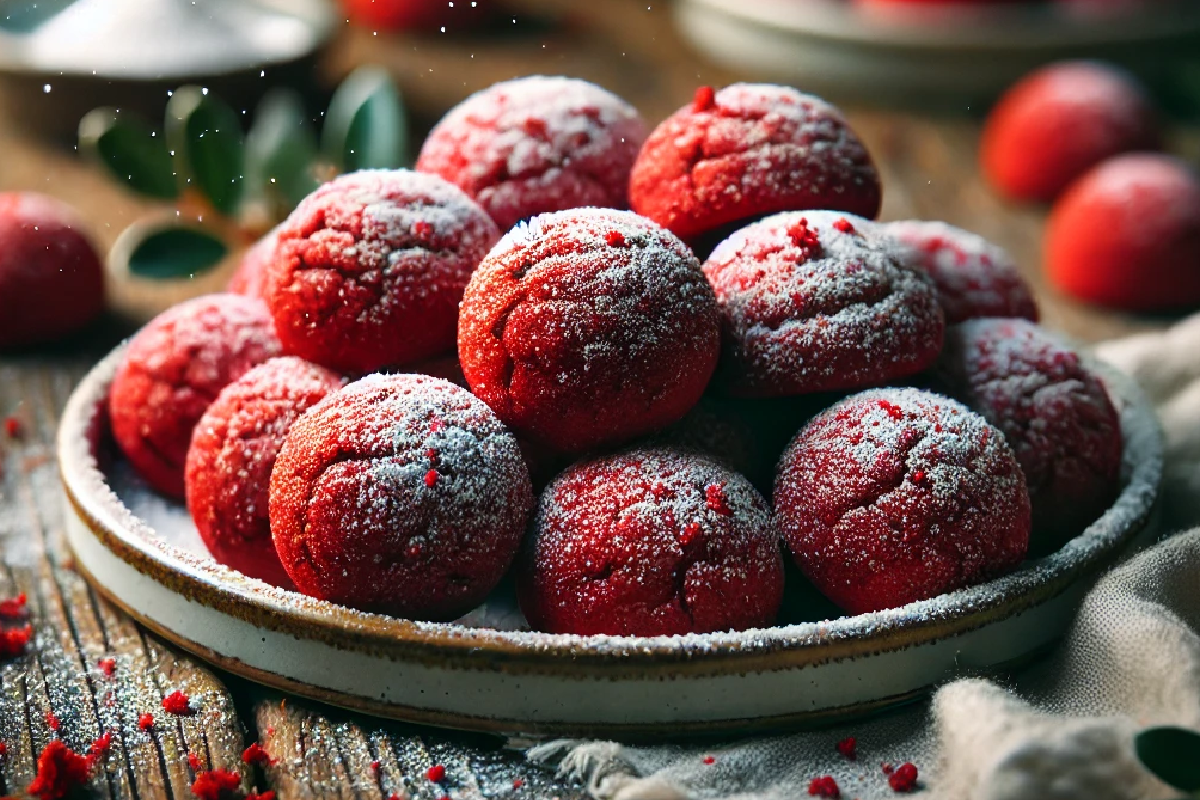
x: 537, y: 144
x: 357, y: 517
x: 974, y: 277
x: 896, y: 495
x: 827, y: 310
x: 651, y: 541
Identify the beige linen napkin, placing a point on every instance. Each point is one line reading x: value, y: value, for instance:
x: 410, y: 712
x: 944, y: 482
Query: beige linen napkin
x: 1062, y: 730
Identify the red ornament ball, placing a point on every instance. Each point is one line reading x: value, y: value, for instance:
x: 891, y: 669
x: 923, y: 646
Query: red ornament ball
x: 371, y: 266
x: 1127, y: 235
x: 1054, y: 413
x: 250, y: 276
x: 1059, y: 122
x: 173, y: 368
x: 589, y: 327
x: 974, y: 277
x: 810, y: 303
x: 750, y: 150
x: 650, y: 543
x: 401, y: 494
x: 51, y: 278
x: 234, y: 446
x: 537, y: 144
x: 897, y: 495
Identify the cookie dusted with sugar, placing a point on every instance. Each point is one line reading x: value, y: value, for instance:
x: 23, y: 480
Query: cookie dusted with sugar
x: 810, y: 302
x: 651, y: 543
x: 370, y: 268
x: 537, y: 144
x: 173, y: 369
x: 746, y: 151
x: 897, y: 495
x: 228, y: 469
x: 589, y: 327
x: 402, y: 494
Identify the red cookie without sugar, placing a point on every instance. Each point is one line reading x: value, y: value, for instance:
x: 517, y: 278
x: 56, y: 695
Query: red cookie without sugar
x: 370, y: 269
x: 173, y: 369
x: 898, y: 495
x: 750, y: 150
x: 51, y: 278
x: 537, y: 144
x: 651, y: 543
x: 588, y: 327
x: 1060, y: 121
x: 974, y: 277
x: 809, y: 303
x: 401, y: 494
x: 228, y: 468
x: 1054, y: 413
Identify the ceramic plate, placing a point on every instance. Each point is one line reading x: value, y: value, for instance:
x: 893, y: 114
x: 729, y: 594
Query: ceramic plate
x: 485, y: 673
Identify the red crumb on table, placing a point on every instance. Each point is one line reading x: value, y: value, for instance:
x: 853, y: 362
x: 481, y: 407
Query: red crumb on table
x: 436, y: 773
x: 375, y: 766
x: 217, y: 784
x: 271, y: 731
x: 848, y: 747
x: 844, y: 225
x: 824, y: 786
x: 395, y: 796
x: 518, y: 783
x: 59, y: 772
x: 146, y: 721
x: 178, y: 703
x: 887, y: 767
x: 107, y: 665
x: 194, y: 762
x: 14, y: 608
x: 710, y: 760
x: 3, y: 749
x: 52, y: 721
x: 13, y: 642
x: 13, y: 427
x: 904, y: 779
x: 267, y: 795
x: 255, y: 754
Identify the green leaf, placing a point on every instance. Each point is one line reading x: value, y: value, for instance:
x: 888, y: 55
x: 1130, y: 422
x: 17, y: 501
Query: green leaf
x: 175, y: 252
x: 26, y: 16
x: 281, y: 150
x: 128, y: 149
x: 206, y: 137
x: 365, y: 126
x: 1172, y: 754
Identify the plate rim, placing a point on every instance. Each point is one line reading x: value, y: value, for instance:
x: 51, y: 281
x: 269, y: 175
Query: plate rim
x: 769, y: 649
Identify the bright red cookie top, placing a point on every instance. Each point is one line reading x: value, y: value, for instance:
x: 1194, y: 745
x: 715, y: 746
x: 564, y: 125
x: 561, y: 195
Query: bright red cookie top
x: 250, y: 277
x: 1060, y: 121
x: 1127, y: 235
x: 810, y: 303
x: 173, y: 368
x: 974, y: 277
x: 748, y: 150
x: 649, y: 543
x: 228, y: 468
x: 371, y: 268
x: 402, y: 494
x: 898, y: 495
x: 1054, y: 413
x: 537, y: 144
x: 51, y: 278
x: 588, y: 327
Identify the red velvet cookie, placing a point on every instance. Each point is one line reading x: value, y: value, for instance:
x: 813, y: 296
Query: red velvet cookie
x: 173, y: 369
x: 588, y: 327
x: 750, y: 150
x: 371, y: 267
x: 250, y: 277
x: 810, y: 302
x: 1054, y: 412
x: 1060, y: 121
x: 650, y: 543
x: 898, y: 495
x: 974, y: 277
x: 401, y: 494
x: 537, y: 144
x: 228, y: 469
x: 51, y: 278
x: 1127, y: 235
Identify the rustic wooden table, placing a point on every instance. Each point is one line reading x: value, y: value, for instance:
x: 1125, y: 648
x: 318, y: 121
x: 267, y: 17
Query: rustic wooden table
x: 58, y: 688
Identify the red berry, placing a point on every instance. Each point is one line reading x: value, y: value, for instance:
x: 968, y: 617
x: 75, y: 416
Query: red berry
x: 436, y: 773
x: 1127, y: 235
x: 904, y: 779
x: 1060, y: 121
x: 848, y: 747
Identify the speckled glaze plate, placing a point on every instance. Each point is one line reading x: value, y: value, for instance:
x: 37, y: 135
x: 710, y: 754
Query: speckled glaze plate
x: 484, y: 672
